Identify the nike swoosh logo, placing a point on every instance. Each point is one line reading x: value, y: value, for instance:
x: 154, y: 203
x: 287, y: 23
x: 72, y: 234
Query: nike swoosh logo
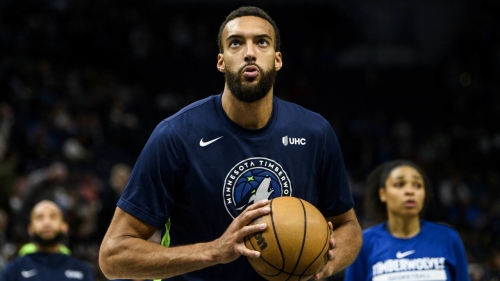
x: 28, y: 273
x: 202, y: 143
x: 400, y: 255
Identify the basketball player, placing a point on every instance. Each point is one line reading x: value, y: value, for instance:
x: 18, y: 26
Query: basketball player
x: 403, y: 246
x: 49, y: 260
x: 207, y: 171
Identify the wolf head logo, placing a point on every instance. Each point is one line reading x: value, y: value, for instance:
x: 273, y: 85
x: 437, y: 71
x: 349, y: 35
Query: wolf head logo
x: 263, y: 191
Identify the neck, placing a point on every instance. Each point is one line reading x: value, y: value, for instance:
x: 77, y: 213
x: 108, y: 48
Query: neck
x: 403, y: 227
x: 248, y: 115
x: 49, y: 249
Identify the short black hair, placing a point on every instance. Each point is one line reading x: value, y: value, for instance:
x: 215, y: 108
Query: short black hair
x: 376, y: 180
x: 249, y: 11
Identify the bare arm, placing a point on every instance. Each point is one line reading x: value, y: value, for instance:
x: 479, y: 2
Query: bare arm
x: 345, y: 243
x: 126, y: 253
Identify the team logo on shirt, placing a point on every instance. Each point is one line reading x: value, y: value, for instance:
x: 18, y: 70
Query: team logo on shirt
x: 252, y: 180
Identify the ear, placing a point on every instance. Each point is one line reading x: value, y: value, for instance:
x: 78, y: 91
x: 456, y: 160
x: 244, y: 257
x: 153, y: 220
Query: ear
x: 278, y: 61
x: 382, y: 195
x: 64, y: 228
x: 30, y: 230
x: 221, y: 66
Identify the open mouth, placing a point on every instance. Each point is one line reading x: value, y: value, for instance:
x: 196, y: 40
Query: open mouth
x: 410, y: 204
x: 250, y: 71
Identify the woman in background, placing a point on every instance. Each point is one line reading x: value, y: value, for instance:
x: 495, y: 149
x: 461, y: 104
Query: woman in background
x: 404, y: 246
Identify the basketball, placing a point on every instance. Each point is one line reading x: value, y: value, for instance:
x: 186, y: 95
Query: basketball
x: 295, y: 243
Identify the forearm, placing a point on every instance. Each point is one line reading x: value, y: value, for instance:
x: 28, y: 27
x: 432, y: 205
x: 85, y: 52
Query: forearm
x: 126, y: 253
x: 348, y: 238
x: 139, y: 259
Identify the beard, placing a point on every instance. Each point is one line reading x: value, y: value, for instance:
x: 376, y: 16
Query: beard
x: 48, y: 242
x: 251, y: 92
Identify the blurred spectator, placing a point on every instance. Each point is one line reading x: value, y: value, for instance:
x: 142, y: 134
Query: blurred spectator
x: 494, y: 266
x: 109, y: 196
x: 455, y: 195
x: 7, y: 249
x: 477, y: 272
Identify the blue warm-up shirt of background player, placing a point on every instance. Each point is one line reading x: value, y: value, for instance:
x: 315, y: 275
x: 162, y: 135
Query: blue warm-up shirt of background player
x: 435, y: 253
x: 46, y: 266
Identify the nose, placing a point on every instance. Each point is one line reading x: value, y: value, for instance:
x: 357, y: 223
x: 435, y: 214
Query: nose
x: 46, y: 221
x: 249, y: 54
x: 409, y: 190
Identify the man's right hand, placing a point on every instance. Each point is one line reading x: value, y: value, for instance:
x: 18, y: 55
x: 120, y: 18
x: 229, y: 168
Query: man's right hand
x: 231, y: 244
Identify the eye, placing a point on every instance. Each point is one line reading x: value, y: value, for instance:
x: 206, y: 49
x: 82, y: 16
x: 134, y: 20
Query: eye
x: 234, y: 44
x: 399, y: 184
x: 418, y: 185
x: 263, y: 43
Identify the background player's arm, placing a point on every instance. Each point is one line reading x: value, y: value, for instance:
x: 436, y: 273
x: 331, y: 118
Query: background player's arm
x: 347, y: 243
x: 126, y: 253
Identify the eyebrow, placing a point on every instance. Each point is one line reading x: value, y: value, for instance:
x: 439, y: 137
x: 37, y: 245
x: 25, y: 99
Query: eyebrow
x: 415, y: 177
x: 237, y: 36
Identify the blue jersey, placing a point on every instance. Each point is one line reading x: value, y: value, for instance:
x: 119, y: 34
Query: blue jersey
x: 199, y: 170
x: 46, y: 266
x: 435, y: 253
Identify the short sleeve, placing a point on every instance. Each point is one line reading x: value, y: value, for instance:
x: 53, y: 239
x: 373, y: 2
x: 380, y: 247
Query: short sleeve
x: 459, y: 270
x: 150, y: 193
x: 335, y: 195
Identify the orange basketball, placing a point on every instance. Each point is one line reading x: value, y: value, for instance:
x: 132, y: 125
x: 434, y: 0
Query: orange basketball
x: 295, y: 243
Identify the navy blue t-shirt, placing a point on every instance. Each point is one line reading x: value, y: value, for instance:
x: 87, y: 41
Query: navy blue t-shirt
x: 200, y: 170
x: 47, y: 266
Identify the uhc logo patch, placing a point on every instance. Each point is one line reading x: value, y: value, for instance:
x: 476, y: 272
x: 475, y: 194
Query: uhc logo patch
x: 252, y: 180
x: 293, y: 141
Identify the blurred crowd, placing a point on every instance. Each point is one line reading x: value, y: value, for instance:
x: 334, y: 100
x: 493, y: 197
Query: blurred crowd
x: 83, y: 84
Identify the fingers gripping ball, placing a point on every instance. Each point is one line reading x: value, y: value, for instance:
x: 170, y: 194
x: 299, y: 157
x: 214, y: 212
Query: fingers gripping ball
x: 294, y: 245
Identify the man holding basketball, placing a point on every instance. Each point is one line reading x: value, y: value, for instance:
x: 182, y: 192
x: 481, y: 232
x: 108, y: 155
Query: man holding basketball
x: 209, y: 170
